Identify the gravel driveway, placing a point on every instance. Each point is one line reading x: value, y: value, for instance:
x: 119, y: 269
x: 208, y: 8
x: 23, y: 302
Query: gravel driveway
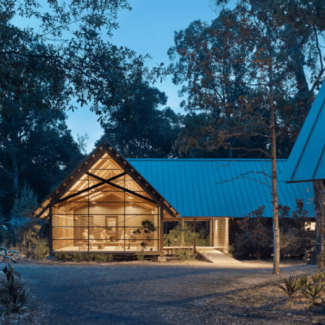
x: 130, y: 293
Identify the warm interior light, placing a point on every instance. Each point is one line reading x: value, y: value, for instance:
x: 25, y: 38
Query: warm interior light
x: 130, y: 197
x: 97, y: 196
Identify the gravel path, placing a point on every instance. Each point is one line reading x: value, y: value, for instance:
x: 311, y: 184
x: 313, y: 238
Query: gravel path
x: 143, y: 293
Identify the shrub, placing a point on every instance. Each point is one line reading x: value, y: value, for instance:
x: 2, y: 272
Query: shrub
x: 231, y: 251
x: 140, y: 257
x: 61, y: 256
x: 109, y: 257
x: 41, y: 249
x: 303, y: 281
x: 255, y: 238
x: 291, y: 286
x: 318, y: 277
x: 182, y: 254
x: 13, y: 295
x: 314, y: 291
x: 100, y: 258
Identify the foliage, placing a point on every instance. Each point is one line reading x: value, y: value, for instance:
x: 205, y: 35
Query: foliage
x: 245, y: 70
x: 81, y: 68
x: 314, y: 291
x: 182, y: 254
x: 291, y: 286
x: 13, y: 295
x: 77, y: 257
x: 100, y: 258
x: 147, y: 227
x: 174, y: 237
x: 61, y: 256
x: 255, y: 238
x: 295, y: 239
x: 231, y: 251
x: 140, y: 257
x: 138, y: 128
x: 47, y: 142
x: 303, y: 281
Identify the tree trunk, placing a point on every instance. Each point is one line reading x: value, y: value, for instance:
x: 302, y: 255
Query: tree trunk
x: 276, y: 229
x: 319, y: 211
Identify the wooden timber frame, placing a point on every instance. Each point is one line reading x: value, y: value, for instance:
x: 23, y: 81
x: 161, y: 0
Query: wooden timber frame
x: 57, y: 196
x: 219, y: 231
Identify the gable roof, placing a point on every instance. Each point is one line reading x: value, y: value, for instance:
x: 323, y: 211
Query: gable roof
x: 103, y: 148
x: 307, y: 159
x: 191, y: 186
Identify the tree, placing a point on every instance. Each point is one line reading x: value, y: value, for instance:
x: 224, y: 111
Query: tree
x: 67, y: 38
x: 254, y: 57
x: 21, y: 211
x: 304, y: 21
x: 36, y: 148
x: 138, y: 128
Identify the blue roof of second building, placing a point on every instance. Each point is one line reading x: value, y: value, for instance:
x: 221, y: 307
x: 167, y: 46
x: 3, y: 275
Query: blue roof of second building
x: 213, y: 188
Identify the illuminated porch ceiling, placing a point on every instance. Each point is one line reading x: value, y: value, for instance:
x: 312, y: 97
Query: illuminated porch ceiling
x: 103, y: 175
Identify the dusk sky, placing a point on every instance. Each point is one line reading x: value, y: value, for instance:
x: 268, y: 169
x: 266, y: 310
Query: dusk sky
x: 148, y: 28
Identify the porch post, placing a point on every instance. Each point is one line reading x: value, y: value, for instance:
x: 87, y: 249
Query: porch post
x: 50, y: 232
x: 194, y: 239
x: 161, y: 230
x: 183, y: 225
x: 211, y: 232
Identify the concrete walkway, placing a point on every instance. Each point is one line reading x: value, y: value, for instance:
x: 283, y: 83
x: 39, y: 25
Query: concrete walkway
x: 218, y: 258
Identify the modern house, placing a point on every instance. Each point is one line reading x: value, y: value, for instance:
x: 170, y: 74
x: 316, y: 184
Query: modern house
x: 103, y: 204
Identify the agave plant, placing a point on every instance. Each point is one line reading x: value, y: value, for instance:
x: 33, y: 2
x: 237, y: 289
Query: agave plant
x: 314, y: 291
x: 303, y: 281
x: 291, y: 286
x: 318, y: 277
x: 13, y: 295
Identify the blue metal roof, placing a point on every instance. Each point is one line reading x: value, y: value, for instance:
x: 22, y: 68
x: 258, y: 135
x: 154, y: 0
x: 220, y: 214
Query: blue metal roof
x: 195, y: 188
x: 307, y: 158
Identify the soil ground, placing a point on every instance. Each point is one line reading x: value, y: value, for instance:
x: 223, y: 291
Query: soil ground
x: 152, y: 293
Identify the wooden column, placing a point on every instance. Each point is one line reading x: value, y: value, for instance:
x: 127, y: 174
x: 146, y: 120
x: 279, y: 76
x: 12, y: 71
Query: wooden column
x: 211, y: 232
x: 50, y: 232
x: 183, y: 226
x: 161, y: 214
x: 194, y: 239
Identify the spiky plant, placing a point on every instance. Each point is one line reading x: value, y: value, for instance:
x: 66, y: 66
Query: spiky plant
x: 303, y: 281
x: 291, y: 286
x: 314, y: 291
x: 318, y: 277
x: 13, y: 295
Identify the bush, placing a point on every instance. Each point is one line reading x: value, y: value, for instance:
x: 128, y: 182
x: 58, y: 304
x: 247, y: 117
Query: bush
x: 109, y: 257
x: 13, y: 295
x: 182, y: 254
x: 256, y: 238
x: 140, y: 257
x: 61, y: 256
x: 41, y: 249
x: 100, y: 258
x: 291, y: 286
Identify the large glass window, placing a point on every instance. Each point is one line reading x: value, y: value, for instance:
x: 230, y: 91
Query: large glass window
x: 105, y: 211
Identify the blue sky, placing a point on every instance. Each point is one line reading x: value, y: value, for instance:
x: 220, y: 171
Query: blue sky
x: 148, y: 28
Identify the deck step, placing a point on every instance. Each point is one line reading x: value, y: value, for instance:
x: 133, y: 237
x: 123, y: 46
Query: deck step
x: 216, y: 257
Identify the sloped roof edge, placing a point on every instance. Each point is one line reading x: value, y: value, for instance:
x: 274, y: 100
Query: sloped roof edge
x: 86, y: 164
